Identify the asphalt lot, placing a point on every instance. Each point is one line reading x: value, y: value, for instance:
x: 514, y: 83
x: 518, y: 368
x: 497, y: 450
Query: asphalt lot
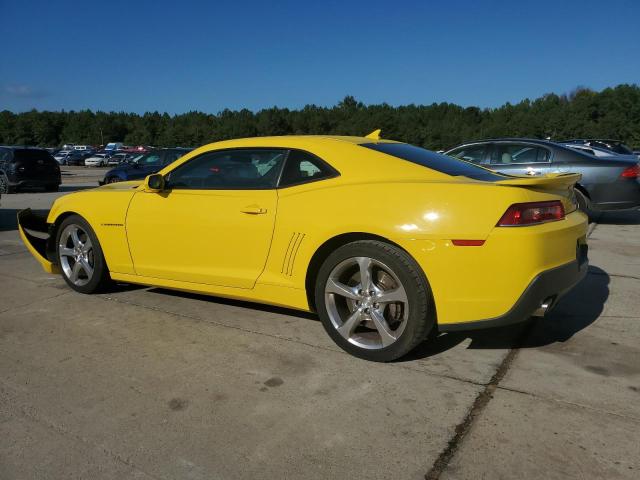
x: 150, y: 384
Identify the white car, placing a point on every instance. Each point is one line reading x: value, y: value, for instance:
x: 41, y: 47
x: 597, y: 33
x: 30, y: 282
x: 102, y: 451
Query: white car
x: 97, y: 160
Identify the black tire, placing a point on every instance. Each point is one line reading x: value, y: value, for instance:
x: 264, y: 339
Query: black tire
x: 100, y: 278
x: 113, y: 180
x: 421, y: 317
x: 584, y: 204
x: 52, y: 188
x: 4, y: 185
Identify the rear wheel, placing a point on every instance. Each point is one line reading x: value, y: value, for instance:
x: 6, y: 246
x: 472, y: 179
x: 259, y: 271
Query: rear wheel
x: 4, y: 185
x: 374, y: 300
x: 112, y: 180
x: 80, y: 256
x: 52, y: 188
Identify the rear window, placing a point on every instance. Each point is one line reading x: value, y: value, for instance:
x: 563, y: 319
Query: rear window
x: 435, y: 161
x: 31, y: 155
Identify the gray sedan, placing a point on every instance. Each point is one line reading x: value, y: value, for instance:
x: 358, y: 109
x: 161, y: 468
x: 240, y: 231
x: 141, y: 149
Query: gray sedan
x: 608, y: 183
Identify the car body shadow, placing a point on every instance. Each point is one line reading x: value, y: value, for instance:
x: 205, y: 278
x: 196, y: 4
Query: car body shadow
x: 574, y: 312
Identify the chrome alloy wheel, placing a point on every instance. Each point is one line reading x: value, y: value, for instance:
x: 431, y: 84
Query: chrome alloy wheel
x: 76, y: 255
x: 366, y: 302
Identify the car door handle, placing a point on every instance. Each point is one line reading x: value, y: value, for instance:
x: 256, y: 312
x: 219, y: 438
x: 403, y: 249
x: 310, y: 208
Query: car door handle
x: 254, y: 210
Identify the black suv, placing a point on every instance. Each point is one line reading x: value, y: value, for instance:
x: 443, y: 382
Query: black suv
x: 28, y: 167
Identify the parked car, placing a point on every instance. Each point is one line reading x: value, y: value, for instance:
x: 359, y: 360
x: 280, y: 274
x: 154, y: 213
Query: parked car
x: 609, y: 183
x: 144, y: 165
x: 97, y: 160
x: 616, y: 146
x: 113, y: 146
x: 69, y: 157
x: 28, y: 167
x: 277, y: 220
x: 116, y: 158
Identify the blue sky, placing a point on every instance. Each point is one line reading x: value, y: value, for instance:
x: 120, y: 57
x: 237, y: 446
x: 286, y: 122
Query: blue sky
x: 177, y: 56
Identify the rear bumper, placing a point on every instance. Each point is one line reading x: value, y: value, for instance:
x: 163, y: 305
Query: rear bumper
x: 547, y: 286
x: 34, y: 182
x: 40, y: 246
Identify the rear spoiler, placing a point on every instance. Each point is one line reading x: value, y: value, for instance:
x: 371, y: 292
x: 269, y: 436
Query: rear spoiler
x: 548, y: 181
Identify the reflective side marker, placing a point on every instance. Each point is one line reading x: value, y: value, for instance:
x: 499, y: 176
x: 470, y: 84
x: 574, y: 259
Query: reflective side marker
x: 468, y: 243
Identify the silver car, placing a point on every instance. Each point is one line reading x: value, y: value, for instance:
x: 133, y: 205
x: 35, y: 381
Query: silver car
x: 608, y: 183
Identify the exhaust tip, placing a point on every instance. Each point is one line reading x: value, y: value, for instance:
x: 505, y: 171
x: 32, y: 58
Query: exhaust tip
x: 544, y: 307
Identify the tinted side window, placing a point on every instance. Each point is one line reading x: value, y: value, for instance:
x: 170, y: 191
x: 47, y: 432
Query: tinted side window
x: 243, y: 169
x: 302, y: 167
x: 27, y: 155
x: 5, y: 155
x: 471, y: 153
x: 518, y: 153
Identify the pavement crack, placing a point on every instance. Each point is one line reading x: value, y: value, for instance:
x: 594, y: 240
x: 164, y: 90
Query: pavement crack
x: 479, y: 404
x: 573, y: 404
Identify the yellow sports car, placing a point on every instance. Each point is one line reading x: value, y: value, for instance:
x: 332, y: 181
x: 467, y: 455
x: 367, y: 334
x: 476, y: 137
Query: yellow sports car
x: 386, y: 241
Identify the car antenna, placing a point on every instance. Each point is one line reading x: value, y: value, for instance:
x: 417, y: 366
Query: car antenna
x: 375, y: 135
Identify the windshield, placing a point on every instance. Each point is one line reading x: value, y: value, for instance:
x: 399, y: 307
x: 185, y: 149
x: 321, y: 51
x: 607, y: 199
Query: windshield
x: 148, y: 159
x: 435, y: 161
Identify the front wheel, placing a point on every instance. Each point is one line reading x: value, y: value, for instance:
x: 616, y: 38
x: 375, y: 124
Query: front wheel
x: 374, y: 300
x: 80, y: 256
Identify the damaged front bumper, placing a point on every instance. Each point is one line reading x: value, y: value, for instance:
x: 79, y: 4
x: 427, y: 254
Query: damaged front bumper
x: 42, y: 247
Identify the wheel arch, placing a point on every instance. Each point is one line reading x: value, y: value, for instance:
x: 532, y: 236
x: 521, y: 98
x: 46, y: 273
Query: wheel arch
x: 53, y: 233
x: 324, y: 250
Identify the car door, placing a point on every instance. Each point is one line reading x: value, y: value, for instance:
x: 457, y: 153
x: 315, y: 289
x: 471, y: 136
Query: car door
x: 520, y: 158
x: 213, y: 222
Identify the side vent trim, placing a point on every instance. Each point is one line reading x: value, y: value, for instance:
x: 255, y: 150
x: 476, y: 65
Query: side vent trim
x: 291, y: 252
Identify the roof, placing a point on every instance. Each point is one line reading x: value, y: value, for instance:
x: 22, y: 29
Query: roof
x: 294, y: 140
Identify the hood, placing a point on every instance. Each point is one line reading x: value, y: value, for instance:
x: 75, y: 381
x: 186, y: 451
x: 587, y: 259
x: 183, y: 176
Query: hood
x: 121, y: 185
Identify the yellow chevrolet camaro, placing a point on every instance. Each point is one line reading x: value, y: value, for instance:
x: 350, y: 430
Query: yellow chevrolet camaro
x: 386, y: 241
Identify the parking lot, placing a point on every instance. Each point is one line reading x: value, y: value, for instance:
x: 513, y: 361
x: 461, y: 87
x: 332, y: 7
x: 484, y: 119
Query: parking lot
x: 152, y: 384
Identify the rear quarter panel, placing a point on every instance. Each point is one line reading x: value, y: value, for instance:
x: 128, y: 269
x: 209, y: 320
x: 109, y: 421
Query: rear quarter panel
x: 425, y: 215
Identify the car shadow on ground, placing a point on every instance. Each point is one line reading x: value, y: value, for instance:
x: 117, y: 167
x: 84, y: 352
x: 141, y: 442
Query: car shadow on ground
x: 238, y: 303
x: 9, y: 218
x: 574, y: 312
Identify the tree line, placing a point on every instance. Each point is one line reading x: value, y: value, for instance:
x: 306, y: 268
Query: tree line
x: 610, y: 113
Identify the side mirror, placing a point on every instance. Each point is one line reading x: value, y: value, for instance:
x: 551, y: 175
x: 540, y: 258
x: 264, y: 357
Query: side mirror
x: 154, y: 183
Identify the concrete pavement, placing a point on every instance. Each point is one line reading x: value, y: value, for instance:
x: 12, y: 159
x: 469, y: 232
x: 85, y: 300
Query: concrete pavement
x: 147, y: 383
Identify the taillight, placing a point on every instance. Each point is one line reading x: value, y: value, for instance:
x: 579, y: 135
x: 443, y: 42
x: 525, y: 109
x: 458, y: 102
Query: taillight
x: 532, y: 213
x: 631, y: 172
